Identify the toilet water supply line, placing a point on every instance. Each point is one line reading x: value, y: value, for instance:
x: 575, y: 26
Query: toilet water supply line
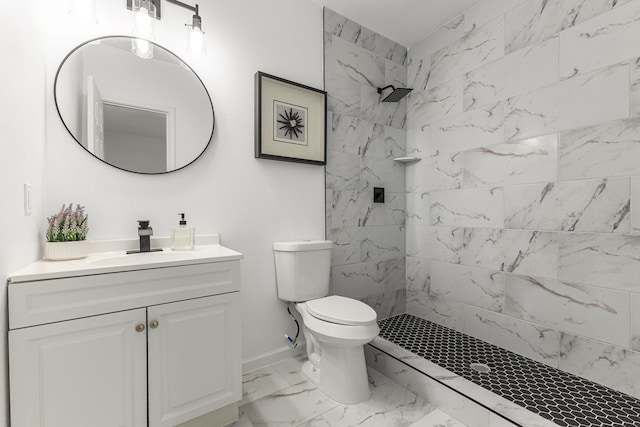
x: 293, y: 341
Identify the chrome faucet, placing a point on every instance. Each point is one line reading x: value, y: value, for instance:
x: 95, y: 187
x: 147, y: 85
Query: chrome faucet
x: 145, y: 232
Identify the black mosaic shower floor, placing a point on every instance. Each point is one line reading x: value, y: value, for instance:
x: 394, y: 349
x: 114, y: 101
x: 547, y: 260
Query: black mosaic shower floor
x: 565, y: 399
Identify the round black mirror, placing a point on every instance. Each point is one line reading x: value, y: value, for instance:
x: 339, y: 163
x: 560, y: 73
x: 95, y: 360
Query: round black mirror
x: 142, y: 115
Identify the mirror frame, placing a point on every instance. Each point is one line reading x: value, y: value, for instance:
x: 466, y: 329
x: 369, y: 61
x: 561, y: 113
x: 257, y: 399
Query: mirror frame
x: 55, y: 98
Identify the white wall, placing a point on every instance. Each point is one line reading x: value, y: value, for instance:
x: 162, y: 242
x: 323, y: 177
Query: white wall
x: 22, y: 100
x: 250, y: 202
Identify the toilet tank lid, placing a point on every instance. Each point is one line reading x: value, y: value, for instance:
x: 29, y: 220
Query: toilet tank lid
x: 341, y: 310
x: 302, y: 245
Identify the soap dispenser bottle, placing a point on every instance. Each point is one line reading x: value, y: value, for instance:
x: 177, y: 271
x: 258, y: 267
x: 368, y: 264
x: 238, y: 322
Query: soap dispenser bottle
x: 182, y: 237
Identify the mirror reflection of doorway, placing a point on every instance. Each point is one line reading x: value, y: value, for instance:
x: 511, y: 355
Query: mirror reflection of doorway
x: 135, y: 138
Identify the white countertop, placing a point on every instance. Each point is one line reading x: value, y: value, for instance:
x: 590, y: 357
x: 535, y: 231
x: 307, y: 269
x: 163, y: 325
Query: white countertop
x: 115, y: 261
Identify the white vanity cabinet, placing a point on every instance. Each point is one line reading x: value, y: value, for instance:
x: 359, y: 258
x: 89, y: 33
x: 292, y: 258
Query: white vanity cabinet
x: 83, y: 372
x: 153, y: 347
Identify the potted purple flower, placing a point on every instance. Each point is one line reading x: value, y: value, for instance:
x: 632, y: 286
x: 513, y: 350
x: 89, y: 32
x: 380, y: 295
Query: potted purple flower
x: 67, y: 234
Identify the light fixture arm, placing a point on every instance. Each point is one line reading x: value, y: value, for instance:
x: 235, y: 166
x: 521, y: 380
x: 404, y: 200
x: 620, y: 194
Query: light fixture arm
x: 197, y: 20
x: 195, y: 9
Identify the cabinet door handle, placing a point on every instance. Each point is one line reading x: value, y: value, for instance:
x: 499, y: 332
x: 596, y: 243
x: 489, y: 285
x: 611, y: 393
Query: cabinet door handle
x: 140, y: 327
x: 154, y: 324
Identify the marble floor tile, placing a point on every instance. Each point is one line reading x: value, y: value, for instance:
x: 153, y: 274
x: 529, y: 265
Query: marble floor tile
x: 259, y: 383
x: 290, y: 406
x: 389, y: 405
x: 291, y: 369
x: 437, y: 418
x: 302, y: 404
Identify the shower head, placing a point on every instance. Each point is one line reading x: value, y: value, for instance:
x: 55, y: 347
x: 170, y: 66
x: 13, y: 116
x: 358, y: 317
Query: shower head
x: 396, y: 95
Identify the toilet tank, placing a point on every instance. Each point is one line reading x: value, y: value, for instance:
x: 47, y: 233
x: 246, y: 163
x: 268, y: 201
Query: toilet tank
x: 302, y: 269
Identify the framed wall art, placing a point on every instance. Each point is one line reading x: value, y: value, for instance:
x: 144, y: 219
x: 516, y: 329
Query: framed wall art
x: 290, y: 121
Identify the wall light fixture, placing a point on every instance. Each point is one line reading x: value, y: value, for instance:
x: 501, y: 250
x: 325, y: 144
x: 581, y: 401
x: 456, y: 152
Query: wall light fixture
x: 145, y: 14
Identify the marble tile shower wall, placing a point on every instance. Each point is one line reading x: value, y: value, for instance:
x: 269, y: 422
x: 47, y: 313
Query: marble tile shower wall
x: 364, y: 136
x: 523, y: 216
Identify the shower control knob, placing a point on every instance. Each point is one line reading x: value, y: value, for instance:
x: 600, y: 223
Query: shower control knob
x: 154, y: 324
x: 140, y: 327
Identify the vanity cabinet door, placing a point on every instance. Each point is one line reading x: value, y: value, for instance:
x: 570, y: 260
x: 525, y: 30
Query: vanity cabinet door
x: 80, y: 373
x: 194, y: 358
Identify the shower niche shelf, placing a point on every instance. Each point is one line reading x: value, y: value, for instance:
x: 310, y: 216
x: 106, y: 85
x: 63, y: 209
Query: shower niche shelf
x: 407, y: 159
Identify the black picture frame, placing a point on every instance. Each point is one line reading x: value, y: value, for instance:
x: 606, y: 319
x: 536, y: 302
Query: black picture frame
x: 290, y: 121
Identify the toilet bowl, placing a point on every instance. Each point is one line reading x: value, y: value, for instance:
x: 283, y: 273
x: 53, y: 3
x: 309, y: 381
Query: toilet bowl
x: 336, y: 329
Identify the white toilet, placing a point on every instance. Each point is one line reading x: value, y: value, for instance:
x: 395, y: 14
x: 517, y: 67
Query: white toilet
x: 335, y: 328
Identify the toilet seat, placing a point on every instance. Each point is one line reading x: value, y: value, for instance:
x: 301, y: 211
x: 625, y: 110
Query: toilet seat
x: 341, y: 310
x: 349, y: 335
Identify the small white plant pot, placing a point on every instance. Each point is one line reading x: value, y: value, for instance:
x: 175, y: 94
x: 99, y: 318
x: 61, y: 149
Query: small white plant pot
x: 61, y: 251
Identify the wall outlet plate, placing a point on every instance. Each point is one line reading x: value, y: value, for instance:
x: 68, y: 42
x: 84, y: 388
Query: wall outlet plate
x: 28, y: 206
x: 378, y: 195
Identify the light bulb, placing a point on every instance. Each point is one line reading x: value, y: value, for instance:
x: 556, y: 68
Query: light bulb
x: 196, y: 40
x: 144, y: 16
x: 143, y: 28
x: 143, y: 22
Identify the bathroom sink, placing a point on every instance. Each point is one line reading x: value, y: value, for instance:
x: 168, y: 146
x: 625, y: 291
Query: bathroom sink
x: 142, y: 258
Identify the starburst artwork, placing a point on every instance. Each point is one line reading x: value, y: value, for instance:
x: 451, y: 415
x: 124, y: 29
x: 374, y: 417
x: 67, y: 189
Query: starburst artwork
x: 290, y: 123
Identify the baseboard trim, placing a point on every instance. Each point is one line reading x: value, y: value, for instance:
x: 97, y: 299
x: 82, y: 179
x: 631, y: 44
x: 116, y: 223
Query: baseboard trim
x: 273, y: 356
